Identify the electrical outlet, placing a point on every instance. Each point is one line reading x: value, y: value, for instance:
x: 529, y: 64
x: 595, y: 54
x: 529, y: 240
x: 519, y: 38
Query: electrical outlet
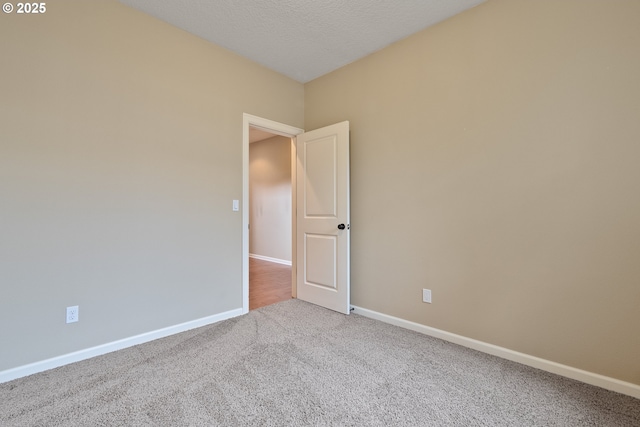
x: 426, y: 295
x: 72, y: 314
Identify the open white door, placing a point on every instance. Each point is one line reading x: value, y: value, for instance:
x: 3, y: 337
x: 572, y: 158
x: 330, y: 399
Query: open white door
x: 323, y: 220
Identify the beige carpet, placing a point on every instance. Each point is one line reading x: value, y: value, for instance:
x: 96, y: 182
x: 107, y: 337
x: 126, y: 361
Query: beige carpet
x: 297, y: 364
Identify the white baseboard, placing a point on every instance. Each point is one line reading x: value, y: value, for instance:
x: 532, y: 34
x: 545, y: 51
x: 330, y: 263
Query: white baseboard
x: 266, y: 258
x: 608, y: 383
x: 76, y: 356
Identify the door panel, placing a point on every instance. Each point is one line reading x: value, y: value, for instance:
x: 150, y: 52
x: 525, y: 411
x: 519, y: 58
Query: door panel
x: 320, y: 261
x: 322, y: 205
x: 320, y: 178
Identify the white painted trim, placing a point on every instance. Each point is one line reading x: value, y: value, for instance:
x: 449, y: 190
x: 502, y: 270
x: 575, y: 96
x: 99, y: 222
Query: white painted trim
x: 294, y: 217
x: 76, y: 356
x: 267, y: 258
x: 276, y: 128
x: 608, y: 383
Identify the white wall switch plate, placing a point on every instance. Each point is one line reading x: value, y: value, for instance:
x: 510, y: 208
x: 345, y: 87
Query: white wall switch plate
x: 426, y: 295
x: 236, y: 205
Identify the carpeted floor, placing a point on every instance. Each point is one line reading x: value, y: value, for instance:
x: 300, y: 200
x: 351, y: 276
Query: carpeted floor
x: 296, y: 364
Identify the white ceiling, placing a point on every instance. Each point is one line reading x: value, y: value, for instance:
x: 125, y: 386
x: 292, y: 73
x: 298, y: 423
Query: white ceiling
x: 302, y: 39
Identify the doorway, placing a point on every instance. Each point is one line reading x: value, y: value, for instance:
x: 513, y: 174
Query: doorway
x: 270, y: 218
x: 320, y: 188
x: 277, y: 129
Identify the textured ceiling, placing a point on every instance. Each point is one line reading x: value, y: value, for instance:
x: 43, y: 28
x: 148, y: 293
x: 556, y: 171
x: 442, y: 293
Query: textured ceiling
x: 302, y: 39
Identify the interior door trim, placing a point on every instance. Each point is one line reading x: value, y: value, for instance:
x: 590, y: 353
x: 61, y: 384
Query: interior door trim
x: 277, y: 128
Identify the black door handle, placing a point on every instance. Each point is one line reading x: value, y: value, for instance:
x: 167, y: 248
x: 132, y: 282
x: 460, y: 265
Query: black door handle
x: 341, y: 227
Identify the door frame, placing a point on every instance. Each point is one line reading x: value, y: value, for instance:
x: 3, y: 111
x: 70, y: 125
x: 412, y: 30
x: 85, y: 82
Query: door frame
x: 276, y: 128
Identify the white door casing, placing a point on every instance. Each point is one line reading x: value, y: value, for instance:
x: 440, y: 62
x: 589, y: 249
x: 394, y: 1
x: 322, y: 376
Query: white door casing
x: 323, y: 217
x: 276, y: 128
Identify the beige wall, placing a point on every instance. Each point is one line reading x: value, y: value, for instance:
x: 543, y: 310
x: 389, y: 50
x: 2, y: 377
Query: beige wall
x: 270, y: 198
x: 495, y: 162
x: 120, y: 154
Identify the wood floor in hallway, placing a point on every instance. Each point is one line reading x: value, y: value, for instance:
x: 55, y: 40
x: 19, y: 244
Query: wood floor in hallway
x: 269, y: 283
